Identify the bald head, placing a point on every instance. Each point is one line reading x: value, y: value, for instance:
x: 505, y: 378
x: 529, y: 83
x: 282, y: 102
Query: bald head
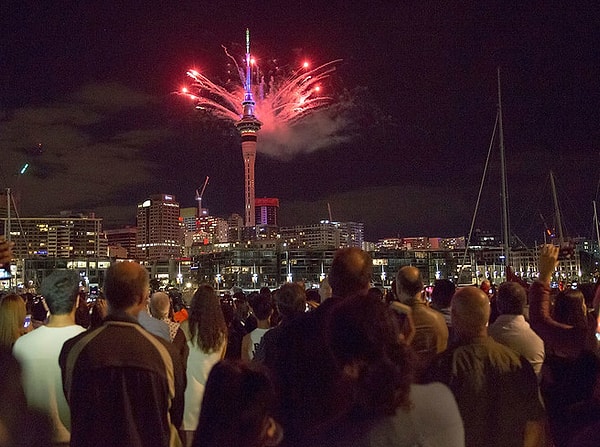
x: 409, y: 283
x: 485, y: 286
x: 470, y: 312
x: 160, y: 305
x: 351, y: 272
x: 126, y: 286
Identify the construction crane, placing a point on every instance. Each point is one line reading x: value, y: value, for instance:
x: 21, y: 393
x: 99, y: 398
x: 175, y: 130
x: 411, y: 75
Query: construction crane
x: 199, y: 196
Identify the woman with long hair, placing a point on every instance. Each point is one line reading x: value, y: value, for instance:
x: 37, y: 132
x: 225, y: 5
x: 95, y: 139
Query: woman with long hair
x: 206, y: 334
x: 375, y: 369
x: 12, y: 319
x: 571, y: 367
x: 238, y: 408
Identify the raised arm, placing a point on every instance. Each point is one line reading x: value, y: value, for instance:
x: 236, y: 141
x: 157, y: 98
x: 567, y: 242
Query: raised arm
x: 547, y: 262
x: 5, y: 250
x: 548, y: 329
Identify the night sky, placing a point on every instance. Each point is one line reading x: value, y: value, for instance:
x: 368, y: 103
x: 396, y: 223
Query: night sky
x: 414, y: 110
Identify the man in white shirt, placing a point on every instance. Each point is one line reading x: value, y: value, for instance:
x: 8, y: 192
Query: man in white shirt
x: 38, y: 352
x: 511, y: 329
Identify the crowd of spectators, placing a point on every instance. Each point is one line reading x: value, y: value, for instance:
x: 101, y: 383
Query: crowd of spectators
x: 345, y: 364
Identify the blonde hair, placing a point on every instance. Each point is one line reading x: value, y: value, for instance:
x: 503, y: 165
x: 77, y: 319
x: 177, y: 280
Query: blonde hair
x: 12, y: 316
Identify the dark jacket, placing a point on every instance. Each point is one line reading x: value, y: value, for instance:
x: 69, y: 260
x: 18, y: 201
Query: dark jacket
x: 124, y: 386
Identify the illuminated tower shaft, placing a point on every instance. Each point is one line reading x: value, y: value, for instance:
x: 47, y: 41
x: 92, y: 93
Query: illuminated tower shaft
x: 248, y: 127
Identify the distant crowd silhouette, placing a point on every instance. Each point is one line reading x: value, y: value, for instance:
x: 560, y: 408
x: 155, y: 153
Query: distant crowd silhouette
x: 347, y: 364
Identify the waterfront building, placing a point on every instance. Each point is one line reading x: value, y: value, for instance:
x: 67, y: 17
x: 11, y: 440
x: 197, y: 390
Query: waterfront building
x: 324, y: 234
x: 416, y: 243
x: 65, y: 236
x: 91, y: 270
x: 250, y: 265
x: 66, y: 241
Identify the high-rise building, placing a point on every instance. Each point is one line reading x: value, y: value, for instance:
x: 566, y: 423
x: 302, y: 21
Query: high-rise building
x: 235, y: 223
x: 213, y: 230
x: 124, y: 238
x: 189, y: 217
x: 159, y: 228
x: 266, y: 211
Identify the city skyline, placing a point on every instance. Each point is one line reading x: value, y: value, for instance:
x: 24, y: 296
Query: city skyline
x: 415, y: 96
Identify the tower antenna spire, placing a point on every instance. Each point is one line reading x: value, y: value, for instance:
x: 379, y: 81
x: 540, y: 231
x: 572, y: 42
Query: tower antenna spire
x: 247, y: 41
x: 248, y: 102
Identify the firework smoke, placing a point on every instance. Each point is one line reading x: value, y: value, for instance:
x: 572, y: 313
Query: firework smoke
x: 295, y: 114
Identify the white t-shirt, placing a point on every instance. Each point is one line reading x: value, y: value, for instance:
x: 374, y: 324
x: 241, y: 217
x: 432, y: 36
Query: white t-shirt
x: 38, y: 352
x: 255, y: 337
x: 513, y: 331
x: 433, y: 420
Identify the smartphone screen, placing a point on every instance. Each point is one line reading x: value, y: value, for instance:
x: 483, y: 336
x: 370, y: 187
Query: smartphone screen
x: 27, y: 321
x: 5, y: 271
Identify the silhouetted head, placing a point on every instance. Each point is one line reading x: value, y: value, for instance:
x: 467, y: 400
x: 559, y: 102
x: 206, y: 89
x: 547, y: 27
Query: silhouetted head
x: 126, y: 284
x: 12, y: 316
x: 485, y: 286
x: 409, y: 283
x: 262, y: 306
x: 511, y: 298
x: 569, y: 308
x: 160, y: 304
x: 60, y: 290
x: 443, y: 290
x: 206, y: 321
x: 364, y: 338
x: 238, y: 407
x: 470, y: 312
x: 351, y: 272
x: 291, y: 300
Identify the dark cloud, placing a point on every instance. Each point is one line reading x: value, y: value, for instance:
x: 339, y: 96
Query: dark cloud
x: 73, y: 168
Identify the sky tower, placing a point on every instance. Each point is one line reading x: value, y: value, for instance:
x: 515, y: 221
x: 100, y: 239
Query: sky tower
x: 248, y: 127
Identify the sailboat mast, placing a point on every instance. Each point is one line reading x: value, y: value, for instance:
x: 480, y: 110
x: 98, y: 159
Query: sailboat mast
x: 561, y: 238
x: 596, y: 223
x: 7, y: 229
x: 505, y: 226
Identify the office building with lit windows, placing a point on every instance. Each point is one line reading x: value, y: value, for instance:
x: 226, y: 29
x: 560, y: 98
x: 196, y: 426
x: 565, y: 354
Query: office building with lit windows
x: 120, y: 239
x: 159, y: 228
x: 57, y: 237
